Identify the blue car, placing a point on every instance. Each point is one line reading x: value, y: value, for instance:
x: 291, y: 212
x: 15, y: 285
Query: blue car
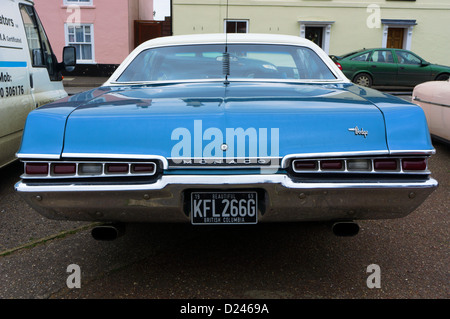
x: 226, y: 129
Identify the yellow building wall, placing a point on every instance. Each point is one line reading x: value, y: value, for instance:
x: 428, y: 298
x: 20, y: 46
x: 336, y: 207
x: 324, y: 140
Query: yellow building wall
x: 349, y: 32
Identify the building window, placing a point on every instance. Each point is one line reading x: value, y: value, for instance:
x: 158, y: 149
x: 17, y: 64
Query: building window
x: 79, y: 2
x: 236, y: 26
x: 82, y: 38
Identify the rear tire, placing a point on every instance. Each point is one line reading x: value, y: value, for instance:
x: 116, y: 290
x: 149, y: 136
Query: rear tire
x: 363, y: 79
x: 442, y: 77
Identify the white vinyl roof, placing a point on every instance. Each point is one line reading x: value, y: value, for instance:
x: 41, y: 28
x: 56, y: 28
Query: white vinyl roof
x: 229, y: 37
x: 219, y: 38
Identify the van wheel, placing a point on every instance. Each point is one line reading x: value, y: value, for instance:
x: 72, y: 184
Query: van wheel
x: 363, y: 79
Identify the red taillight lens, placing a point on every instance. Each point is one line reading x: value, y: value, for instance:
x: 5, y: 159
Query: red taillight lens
x: 143, y: 168
x: 414, y: 164
x: 385, y: 164
x: 331, y: 165
x: 116, y: 168
x: 339, y: 65
x: 305, y: 165
x: 64, y: 169
x: 36, y: 168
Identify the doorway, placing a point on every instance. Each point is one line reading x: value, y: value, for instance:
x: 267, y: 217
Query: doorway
x: 314, y: 34
x: 395, y: 38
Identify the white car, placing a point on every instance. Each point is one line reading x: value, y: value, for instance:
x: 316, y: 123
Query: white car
x: 434, y: 98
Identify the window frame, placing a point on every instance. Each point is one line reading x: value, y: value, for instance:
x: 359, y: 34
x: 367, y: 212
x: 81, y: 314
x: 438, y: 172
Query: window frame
x: 235, y: 20
x: 78, y: 2
x: 92, y: 42
x: 380, y: 50
x: 408, y: 52
x: 123, y: 69
x: 49, y: 61
x: 369, y: 56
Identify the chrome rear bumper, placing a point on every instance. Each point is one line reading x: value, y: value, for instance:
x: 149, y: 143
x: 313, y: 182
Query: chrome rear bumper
x: 283, y: 199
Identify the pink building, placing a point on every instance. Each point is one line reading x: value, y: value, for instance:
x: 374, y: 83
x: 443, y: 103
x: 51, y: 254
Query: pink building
x: 103, y: 31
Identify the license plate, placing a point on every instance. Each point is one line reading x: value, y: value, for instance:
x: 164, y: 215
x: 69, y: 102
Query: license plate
x: 224, y: 208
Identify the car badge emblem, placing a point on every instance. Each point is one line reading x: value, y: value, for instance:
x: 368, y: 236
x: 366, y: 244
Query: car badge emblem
x: 359, y: 131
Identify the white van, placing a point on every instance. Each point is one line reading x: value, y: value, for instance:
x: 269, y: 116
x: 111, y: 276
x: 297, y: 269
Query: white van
x: 30, y: 75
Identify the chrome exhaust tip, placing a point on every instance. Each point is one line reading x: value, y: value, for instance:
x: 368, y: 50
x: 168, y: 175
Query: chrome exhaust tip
x: 345, y: 228
x: 108, y: 232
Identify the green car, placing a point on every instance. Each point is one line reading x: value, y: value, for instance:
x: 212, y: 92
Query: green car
x: 389, y: 67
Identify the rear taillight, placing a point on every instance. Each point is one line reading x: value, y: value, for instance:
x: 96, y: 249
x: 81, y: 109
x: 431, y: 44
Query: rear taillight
x: 362, y: 165
x: 64, y: 169
x: 331, y: 165
x: 339, y: 65
x: 117, y: 168
x: 305, y: 165
x: 143, y: 168
x: 89, y: 169
x: 414, y: 164
x: 385, y: 164
x: 36, y: 168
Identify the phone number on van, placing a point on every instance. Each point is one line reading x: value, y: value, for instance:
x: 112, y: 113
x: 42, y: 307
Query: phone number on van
x: 11, y: 91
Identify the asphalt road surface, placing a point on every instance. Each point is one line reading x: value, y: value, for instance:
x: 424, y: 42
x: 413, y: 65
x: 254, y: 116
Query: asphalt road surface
x: 286, y: 261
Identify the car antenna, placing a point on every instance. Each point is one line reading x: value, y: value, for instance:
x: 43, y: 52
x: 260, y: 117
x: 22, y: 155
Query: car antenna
x: 226, y: 55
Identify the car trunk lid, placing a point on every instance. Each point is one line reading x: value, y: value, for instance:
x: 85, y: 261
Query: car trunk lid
x: 253, y: 119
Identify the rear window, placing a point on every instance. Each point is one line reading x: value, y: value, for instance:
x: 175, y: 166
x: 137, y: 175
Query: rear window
x: 361, y: 57
x: 258, y: 61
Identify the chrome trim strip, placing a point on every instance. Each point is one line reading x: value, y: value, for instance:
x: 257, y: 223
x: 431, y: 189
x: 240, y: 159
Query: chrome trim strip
x: 413, y: 152
x: 117, y: 156
x: 372, y: 185
x: 38, y: 156
x: 196, y: 180
x: 330, y: 155
x: 224, y: 162
x: 274, y: 80
x: 429, y: 102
